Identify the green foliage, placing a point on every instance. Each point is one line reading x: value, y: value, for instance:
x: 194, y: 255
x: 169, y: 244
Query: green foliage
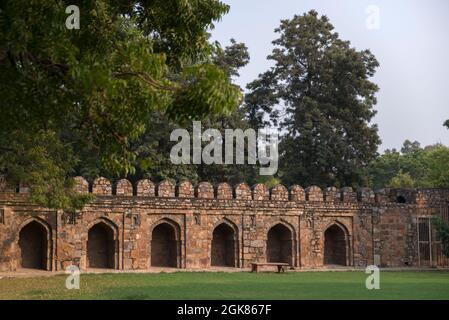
x: 206, y: 90
x: 402, y: 180
x: 320, y: 95
x: 231, y: 58
x: 268, y: 181
x: 442, y: 229
x: 43, y: 161
x: 152, y: 148
x: 414, y: 166
x: 80, y: 98
x: 437, y: 173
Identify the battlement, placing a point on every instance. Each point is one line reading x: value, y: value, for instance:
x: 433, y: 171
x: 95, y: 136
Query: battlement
x: 259, y: 192
x: 205, y: 190
x: 196, y: 223
x: 223, y: 191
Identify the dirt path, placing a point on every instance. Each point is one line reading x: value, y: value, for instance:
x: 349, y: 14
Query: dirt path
x: 32, y: 273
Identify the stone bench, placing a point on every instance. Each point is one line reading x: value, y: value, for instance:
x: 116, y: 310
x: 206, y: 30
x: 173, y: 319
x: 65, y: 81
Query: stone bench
x: 255, y: 266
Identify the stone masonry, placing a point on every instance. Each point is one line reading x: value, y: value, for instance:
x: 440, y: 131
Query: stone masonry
x: 131, y: 227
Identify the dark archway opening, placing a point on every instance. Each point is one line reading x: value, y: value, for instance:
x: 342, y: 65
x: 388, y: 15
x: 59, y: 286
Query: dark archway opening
x: 101, y: 247
x: 33, y: 245
x: 164, y: 246
x: 223, y: 246
x: 335, y: 246
x: 401, y: 199
x: 279, y: 244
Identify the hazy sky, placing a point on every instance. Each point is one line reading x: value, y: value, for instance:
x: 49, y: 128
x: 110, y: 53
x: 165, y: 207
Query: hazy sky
x: 411, y: 45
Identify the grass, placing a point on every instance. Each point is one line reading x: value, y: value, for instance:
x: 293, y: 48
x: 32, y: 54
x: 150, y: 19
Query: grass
x: 212, y: 285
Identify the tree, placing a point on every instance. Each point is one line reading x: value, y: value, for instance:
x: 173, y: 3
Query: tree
x: 437, y: 173
x: 414, y: 166
x: 409, y: 147
x: 153, y: 147
x: 442, y: 229
x: 384, y: 168
x: 402, y: 180
x: 319, y: 93
x: 94, y: 91
x: 231, y: 58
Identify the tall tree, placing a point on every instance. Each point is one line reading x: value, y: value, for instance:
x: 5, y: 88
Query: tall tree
x: 95, y: 89
x: 319, y: 91
x: 230, y: 59
x: 413, y: 166
x: 153, y: 146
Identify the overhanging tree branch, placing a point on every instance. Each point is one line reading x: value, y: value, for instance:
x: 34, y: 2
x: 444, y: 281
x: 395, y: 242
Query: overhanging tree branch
x: 146, y: 78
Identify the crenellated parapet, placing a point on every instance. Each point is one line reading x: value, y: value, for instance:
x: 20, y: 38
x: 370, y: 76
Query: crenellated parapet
x: 366, y: 195
x: 279, y: 193
x: 165, y: 189
x: 297, y: 193
x: 260, y: 192
x: 184, y: 189
x: 223, y: 191
x: 145, y: 188
x: 102, y: 186
x: 331, y: 194
x: 81, y: 185
x: 124, y: 188
x: 381, y: 195
x: 242, y: 192
x: 348, y: 195
x: 204, y: 190
x: 314, y: 193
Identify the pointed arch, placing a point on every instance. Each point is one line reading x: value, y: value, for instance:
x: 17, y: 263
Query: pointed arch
x: 102, y: 244
x: 35, y: 244
x: 225, y: 244
x: 281, y: 243
x: 336, y: 244
x: 165, y: 248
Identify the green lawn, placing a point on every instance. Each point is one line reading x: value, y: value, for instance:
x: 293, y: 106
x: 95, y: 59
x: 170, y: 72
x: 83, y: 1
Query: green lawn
x: 242, y: 285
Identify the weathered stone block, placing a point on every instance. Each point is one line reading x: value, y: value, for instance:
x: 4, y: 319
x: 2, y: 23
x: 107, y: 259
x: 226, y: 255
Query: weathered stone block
x: 297, y: 193
x: 145, y: 188
x: 331, y: 194
x: 314, y: 193
x: 348, y: 195
x: 365, y: 195
x: 242, y: 192
x: 185, y: 190
x: 102, y: 186
x: 165, y: 189
x: 260, y: 192
x: 224, y: 191
x: 124, y: 188
x: 81, y: 185
x: 204, y: 190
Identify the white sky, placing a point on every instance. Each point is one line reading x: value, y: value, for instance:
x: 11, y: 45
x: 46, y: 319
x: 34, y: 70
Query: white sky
x: 411, y: 45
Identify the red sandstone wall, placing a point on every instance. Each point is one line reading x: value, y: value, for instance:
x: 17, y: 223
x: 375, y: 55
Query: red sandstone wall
x: 376, y: 228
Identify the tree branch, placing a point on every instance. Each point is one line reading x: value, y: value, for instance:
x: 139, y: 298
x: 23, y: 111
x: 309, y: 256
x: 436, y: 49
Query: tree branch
x: 146, y: 78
